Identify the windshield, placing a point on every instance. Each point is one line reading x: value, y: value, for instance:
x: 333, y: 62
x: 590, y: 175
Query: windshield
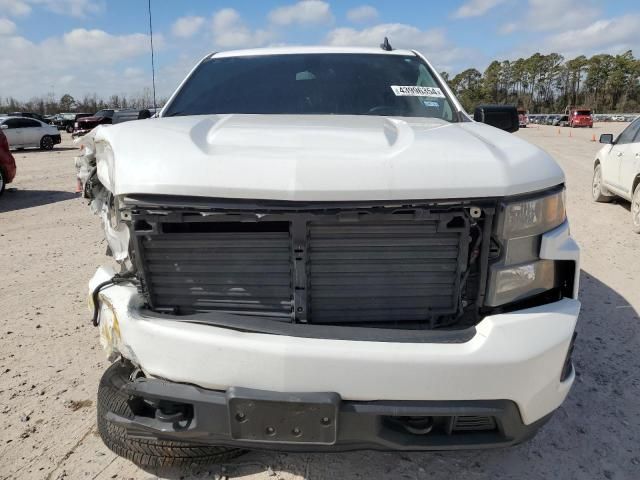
x: 583, y: 112
x: 322, y: 84
x: 104, y: 113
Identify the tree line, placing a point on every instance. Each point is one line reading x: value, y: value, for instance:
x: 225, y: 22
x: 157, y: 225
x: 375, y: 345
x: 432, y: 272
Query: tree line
x: 49, y: 105
x: 540, y: 84
x: 549, y: 83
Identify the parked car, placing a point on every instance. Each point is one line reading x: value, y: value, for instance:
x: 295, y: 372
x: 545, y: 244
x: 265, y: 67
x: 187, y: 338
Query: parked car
x: 7, y: 163
x: 67, y: 121
x: 334, y: 257
x: 618, y: 118
x: 561, y: 121
x: 127, y: 115
x: 616, y: 170
x: 23, y: 132
x: 579, y: 117
x: 36, y: 116
x: 86, y: 124
x: 523, y: 118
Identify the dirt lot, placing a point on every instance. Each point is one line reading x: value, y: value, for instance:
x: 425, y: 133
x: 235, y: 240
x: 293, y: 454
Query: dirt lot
x: 50, y: 359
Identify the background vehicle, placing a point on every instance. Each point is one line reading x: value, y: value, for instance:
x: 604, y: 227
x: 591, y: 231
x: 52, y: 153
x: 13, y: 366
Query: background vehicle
x: 7, y: 163
x: 22, y: 132
x: 523, y: 118
x: 561, y: 121
x: 616, y: 170
x: 67, y: 121
x: 86, y: 124
x: 130, y: 114
x: 36, y: 116
x: 579, y: 117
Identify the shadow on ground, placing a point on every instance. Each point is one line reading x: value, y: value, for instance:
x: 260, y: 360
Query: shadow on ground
x: 15, y: 199
x: 594, y: 434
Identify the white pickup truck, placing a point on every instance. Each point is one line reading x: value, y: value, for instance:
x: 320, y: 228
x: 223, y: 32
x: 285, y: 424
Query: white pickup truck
x: 320, y: 250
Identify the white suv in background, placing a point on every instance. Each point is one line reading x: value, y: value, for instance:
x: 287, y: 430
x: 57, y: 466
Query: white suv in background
x: 23, y: 132
x: 616, y: 170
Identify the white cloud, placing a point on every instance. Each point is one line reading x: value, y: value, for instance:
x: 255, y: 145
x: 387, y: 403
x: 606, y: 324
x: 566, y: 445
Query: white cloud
x: 304, y: 12
x: 476, y: 8
x: 74, y: 8
x: 81, y: 61
x: 610, y: 35
x: 508, y: 28
x: 432, y: 43
x: 187, y: 27
x: 559, y: 14
x: 229, y: 31
x: 7, y: 27
x: 362, y: 14
x: 15, y: 8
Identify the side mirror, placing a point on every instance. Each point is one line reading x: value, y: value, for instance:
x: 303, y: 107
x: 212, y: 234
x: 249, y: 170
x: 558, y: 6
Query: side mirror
x: 4, y: 127
x: 606, y: 138
x: 144, y: 114
x: 504, y: 117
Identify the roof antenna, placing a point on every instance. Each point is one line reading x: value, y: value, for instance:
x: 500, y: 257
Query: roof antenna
x: 153, y: 66
x: 386, y: 45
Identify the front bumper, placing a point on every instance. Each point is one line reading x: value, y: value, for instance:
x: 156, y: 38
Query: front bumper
x: 316, y: 422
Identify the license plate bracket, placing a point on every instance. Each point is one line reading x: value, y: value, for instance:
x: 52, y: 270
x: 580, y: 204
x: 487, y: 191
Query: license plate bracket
x: 301, y: 418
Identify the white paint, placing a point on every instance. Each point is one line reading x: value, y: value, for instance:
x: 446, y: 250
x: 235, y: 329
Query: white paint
x: 322, y: 158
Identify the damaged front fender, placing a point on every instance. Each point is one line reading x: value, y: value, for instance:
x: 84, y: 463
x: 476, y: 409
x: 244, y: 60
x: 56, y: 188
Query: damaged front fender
x: 94, y: 167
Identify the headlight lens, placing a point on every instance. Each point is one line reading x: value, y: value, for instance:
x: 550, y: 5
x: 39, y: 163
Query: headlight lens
x: 519, y: 273
x: 534, y: 217
x: 511, y: 284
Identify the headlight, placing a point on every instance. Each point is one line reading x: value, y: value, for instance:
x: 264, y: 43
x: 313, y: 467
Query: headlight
x: 534, y: 217
x: 519, y: 272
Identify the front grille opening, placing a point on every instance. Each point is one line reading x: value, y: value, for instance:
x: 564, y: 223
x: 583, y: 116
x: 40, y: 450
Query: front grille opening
x: 225, y: 227
x: 440, y: 425
x: 411, y: 269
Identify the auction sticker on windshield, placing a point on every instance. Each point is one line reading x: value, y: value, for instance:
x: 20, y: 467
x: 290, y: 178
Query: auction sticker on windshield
x: 416, y: 91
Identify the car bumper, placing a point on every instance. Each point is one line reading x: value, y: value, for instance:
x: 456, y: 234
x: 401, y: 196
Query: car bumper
x: 517, y: 356
x: 255, y: 419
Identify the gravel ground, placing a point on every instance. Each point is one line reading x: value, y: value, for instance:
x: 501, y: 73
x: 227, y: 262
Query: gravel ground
x: 50, y: 359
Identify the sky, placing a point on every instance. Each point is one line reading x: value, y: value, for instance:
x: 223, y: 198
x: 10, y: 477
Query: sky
x: 83, y: 47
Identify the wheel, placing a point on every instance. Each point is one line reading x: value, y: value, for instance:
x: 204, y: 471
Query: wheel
x: 598, y: 191
x: 146, y: 452
x: 46, y: 143
x: 2, y: 184
x: 69, y: 129
x: 635, y: 209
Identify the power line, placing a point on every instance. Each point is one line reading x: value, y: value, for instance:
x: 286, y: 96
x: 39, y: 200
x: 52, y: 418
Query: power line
x: 153, y: 66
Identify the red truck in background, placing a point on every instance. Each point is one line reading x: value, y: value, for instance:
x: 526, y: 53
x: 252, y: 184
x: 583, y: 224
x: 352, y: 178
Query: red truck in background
x: 523, y: 117
x: 579, y: 117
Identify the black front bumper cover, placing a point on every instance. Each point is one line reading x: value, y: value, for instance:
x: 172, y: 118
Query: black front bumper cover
x: 377, y: 425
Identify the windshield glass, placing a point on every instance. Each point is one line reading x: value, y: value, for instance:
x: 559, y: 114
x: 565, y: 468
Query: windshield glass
x: 583, y: 112
x: 324, y: 84
x: 104, y: 113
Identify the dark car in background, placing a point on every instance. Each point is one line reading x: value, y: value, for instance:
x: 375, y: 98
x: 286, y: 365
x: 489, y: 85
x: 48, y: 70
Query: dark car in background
x: 86, y: 124
x: 67, y: 121
x: 7, y: 163
x: 36, y: 116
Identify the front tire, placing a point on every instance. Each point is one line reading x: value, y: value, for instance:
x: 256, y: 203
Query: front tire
x: 635, y: 209
x: 69, y: 129
x: 146, y: 452
x: 46, y: 143
x: 598, y: 192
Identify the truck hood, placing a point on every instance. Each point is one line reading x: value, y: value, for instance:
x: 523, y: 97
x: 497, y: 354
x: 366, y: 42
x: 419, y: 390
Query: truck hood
x: 319, y: 158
